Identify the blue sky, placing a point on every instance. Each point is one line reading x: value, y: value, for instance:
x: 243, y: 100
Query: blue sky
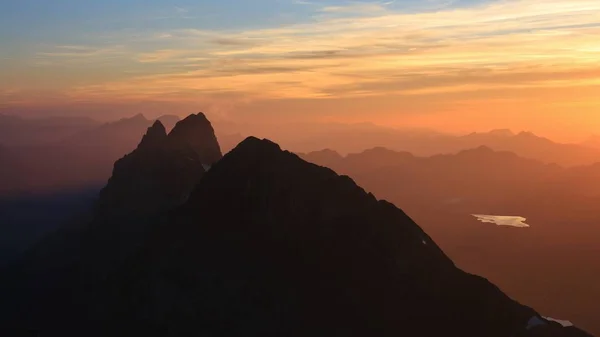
x: 377, y: 60
x: 31, y: 20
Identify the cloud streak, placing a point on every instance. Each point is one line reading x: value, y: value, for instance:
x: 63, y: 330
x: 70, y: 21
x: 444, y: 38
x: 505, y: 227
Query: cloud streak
x: 361, y: 50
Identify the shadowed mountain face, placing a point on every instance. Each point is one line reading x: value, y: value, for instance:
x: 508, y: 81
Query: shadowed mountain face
x: 266, y: 245
x: 161, y: 173
x: 477, y: 180
x: 87, y: 149
x: 442, y: 192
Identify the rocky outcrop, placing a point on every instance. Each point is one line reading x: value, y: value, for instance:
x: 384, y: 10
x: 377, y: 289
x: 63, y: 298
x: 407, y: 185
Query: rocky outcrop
x: 162, y: 171
x: 197, y: 134
x: 270, y: 245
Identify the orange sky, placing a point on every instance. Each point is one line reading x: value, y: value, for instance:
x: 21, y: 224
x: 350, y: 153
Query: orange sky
x: 520, y: 64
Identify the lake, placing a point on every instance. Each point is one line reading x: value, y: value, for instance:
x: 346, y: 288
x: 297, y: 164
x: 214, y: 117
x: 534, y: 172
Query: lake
x: 502, y: 220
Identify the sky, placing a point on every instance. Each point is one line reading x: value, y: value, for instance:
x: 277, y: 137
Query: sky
x: 457, y: 65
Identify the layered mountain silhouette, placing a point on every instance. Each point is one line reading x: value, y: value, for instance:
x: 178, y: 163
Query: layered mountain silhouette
x: 17, y: 131
x: 476, y: 178
x: 529, y: 145
x: 266, y: 244
x: 352, y: 138
x: 163, y: 170
x: 71, y: 154
x: 87, y: 149
x: 442, y: 192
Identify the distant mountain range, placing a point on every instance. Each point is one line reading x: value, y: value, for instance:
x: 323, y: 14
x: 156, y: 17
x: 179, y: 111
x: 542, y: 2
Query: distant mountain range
x: 57, y: 153
x: 352, y: 138
x: 256, y: 243
x: 87, y: 149
x: 17, y: 131
x: 441, y: 192
x: 475, y: 180
x: 465, y: 178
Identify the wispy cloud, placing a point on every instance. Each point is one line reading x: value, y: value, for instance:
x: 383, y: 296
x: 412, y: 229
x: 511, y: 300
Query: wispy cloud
x: 367, y: 7
x: 366, y: 49
x: 80, y: 55
x: 181, y: 10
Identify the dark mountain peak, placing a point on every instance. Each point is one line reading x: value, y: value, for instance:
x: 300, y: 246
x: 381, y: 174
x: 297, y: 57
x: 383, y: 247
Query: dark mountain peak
x: 162, y: 172
x: 362, y: 263
x: 195, y: 132
x: 155, y: 136
x: 256, y: 145
x: 193, y: 119
x: 268, y: 245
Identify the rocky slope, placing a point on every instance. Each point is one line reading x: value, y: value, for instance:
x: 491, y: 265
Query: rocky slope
x: 163, y: 170
x: 266, y: 245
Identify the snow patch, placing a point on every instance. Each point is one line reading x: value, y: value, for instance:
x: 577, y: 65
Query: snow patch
x: 536, y: 321
x: 560, y: 321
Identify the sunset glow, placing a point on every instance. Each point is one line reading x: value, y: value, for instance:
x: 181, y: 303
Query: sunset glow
x: 394, y: 62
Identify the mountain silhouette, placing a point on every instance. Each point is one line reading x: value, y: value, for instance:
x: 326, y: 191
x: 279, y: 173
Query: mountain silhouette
x: 414, y: 182
x: 441, y: 192
x: 353, y: 138
x: 267, y: 244
x: 529, y: 145
x: 17, y: 131
x: 162, y: 171
x: 87, y: 150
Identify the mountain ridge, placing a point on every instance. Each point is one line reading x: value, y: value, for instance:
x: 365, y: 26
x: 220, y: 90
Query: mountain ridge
x: 267, y: 244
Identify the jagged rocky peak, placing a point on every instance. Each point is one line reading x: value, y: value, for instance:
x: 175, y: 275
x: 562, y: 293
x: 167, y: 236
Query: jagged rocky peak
x: 336, y: 258
x: 197, y: 133
x: 271, y: 245
x: 155, y: 136
x: 163, y: 170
